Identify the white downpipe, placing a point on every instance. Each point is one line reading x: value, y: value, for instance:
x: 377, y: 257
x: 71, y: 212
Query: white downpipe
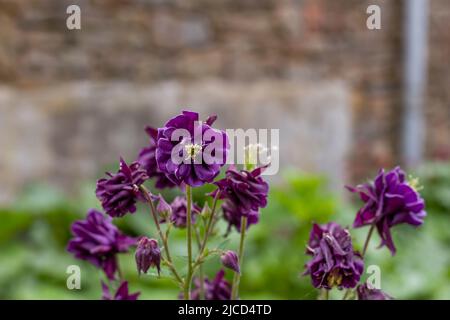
x: 415, y: 77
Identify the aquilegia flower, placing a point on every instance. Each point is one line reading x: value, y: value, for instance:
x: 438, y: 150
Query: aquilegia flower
x: 366, y: 293
x: 121, y: 293
x: 147, y: 255
x: 98, y: 241
x: 119, y: 192
x: 147, y: 158
x: 163, y: 208
x: 179, y: 212
x: 245, y: 192
x: 230, y: 260
x: 334, y: 263
x: 389, y: 200
x: 201, y: 150
x: 217, y: 289
x: 233, y: 215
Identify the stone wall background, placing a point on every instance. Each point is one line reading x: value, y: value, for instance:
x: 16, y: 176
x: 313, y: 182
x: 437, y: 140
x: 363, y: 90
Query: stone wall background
x: 72, y: 101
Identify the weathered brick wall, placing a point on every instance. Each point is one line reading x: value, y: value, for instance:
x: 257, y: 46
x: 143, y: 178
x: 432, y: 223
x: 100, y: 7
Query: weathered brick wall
x: 237, y: 43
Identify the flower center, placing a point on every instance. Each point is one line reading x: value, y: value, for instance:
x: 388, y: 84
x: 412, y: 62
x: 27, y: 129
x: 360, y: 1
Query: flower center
x: 334, y: 278
x: 192, y: 150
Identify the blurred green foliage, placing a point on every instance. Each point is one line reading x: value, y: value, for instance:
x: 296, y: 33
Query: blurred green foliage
x: 35, y: 231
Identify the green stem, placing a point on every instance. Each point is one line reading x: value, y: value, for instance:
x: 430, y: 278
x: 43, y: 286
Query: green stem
x: 209, y: 224
x: 164, y: 239
x: 187, y: 285
x: 237, y: 276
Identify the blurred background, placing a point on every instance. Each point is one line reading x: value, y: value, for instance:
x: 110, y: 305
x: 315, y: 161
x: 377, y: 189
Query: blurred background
x: 347, y: 100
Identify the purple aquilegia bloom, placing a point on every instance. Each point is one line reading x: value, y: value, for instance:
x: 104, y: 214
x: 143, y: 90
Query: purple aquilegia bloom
x: 367, y: 293
x: 98, y: 241
x: 121, y: 293
x: 230, y: 260
x: 389, y: 200
x: 179, y: 212
x: 334, y: 262
x: 217, y: 289
x: 119, y: 192
x: 147, y: 158
x: 244, y: 192
x: 201, y: 150
x: 148, y: 255
x: 233, y: 215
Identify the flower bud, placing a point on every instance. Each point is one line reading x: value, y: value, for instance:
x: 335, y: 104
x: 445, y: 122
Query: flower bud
x: 206, y: 211
x: 230, y: 260
x: 163, y: 208
x: 147, y: 255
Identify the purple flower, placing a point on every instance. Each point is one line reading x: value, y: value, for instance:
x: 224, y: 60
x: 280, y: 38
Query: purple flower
x: 389, y: 200
x: 201, y: 150
x: 119, y: 192
x: 366, y: 293
x: 121, y: 293
x: 230, y: 260
x: 98, y: 241
x: 147, y: 158
x: 147, y: 255
x: 245, y: 192
x: 233, y: 215
x: 217, y: 289
x: 179, y: 212
x: 334, y: 262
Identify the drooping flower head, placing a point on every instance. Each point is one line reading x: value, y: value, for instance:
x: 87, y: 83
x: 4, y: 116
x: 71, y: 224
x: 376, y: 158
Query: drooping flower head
x: 217, y: 289
x: 389, y: 200
x: 333, y: 263
x: 121, y: 293
x: 147, y: 255
x: 98, y: 241
x: 147, y: 158
x: 230, y: 260
x: 119, y: 192
x: 189, y: 151
x: 233, y: 215
x: 179, y: 212
x: 244, y: 192
x: 365, y: 292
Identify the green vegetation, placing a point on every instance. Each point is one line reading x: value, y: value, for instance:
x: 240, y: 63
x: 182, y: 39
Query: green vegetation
x: 35, y: 231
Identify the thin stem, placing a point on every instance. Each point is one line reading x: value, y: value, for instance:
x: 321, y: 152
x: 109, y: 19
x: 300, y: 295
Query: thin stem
x: 325, y: 294
x: 187, y: 285
x: 164, y: 239
x: 366, y: 243
x: 209, y: 224
x: 237, y: 276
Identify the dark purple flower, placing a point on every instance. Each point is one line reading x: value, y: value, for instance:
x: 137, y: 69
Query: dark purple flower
x: 119, y: 192
x: 334, y: 262
x: 121, y: 293
x: 147, y: 255
x: 201, y: 150
x: 147, y: 158
x: 366, y: 293
x: 389, y: 200
x: 217, y: 289
x: 98, y: 241
x: 179, y: 212
x: 230, y: 260
x: 233, y: 215
x: 244, y: 192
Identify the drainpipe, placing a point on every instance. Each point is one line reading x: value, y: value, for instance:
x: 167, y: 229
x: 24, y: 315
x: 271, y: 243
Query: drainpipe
x: 414, y: 77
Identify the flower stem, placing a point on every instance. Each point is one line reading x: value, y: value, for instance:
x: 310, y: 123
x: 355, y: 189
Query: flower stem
x: 187, y: 285
x: 366, y: 243
x: 209, y: 224
x: 237, y: 276
x: 325, y: 294
x: 164, y: 239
